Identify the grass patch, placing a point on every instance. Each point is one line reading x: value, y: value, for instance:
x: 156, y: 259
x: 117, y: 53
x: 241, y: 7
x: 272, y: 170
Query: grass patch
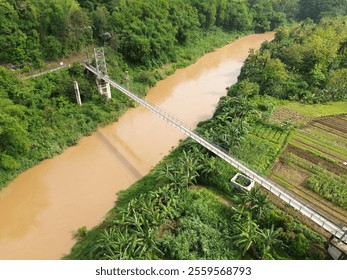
x: 316, y: 110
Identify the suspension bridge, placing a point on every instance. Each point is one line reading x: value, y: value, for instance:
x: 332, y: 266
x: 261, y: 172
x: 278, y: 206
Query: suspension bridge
x: 104, y: 82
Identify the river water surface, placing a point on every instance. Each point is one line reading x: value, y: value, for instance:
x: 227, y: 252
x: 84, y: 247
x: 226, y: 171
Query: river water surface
x: 42, y: 208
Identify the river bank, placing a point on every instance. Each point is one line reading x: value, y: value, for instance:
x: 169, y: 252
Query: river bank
x: 78, y: 187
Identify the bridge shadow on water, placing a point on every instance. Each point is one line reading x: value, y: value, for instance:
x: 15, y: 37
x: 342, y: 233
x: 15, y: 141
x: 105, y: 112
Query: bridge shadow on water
x: 118, y: 155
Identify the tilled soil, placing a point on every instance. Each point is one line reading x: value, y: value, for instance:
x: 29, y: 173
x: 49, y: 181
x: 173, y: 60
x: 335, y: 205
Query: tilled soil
x: 337, y: 157
x: 328, y: 129
x: 335, y: 122
x: 335, y: 125
x: 334, y: 168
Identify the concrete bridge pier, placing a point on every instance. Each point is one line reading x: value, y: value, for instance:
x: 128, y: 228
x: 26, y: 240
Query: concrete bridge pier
x: 104, y: 87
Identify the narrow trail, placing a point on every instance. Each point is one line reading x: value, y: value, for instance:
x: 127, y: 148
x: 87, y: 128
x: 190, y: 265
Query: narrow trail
x: 54, y: 66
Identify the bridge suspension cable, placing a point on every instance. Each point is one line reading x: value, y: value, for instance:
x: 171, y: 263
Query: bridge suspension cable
x: 290, y: 199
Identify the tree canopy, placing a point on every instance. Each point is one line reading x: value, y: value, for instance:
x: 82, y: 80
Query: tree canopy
x: 306, y: 62
x: 145, y: 32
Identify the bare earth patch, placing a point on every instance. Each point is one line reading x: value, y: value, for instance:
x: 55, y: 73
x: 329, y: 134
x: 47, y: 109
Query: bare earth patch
x: 290, y: 173
x: 281, y: 115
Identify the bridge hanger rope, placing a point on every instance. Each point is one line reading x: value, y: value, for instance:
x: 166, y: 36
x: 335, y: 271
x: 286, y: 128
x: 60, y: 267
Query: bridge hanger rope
x: 308, y: 211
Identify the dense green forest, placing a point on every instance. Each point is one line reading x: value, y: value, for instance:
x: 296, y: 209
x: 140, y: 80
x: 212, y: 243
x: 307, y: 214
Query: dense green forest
x: 34, y: 31
x: 39, y: 118
x: 163, y: 216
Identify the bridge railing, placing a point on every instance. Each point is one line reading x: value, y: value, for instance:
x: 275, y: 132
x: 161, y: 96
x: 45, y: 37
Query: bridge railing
x: 290, y: 199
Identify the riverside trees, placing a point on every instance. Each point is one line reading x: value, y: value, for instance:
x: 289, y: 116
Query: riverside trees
x: 305, y: 62
x: 39, y: 118
x: 33, y: 31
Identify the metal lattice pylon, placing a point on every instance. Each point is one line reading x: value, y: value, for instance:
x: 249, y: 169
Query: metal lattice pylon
x: 100, y: 61
x: 104, y: 87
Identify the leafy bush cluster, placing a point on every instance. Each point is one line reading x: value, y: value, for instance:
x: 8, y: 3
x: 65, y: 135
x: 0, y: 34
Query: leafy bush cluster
x: 39, y: 118
x: 306, y: 62
x: 35, y: 30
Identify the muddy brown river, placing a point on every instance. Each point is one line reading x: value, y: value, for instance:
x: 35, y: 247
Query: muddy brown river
x: 43, y: 207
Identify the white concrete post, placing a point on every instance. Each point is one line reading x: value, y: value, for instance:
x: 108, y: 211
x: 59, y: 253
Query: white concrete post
x: 127, y: 79
x: 77, y: 92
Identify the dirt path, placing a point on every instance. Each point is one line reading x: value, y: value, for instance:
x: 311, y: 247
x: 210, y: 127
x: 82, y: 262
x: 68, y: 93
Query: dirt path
x: 54, y: 66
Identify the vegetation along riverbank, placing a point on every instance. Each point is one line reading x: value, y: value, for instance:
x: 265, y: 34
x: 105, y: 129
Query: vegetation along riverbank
x: 186, y: 208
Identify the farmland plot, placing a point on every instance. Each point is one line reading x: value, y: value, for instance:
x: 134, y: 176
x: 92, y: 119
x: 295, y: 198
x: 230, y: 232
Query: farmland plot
x: 313, y: 165
x: 263, y: 145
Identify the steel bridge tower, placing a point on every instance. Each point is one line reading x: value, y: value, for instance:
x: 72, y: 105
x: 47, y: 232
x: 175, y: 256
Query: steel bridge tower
x: 103, y: 86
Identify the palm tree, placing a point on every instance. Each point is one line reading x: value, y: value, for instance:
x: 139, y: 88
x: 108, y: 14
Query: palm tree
x: 171, y: 173
x: 224, y: 117
x: 189, y: 167
x: 144, y: 244
x: 271, y: 242
x: 256, y: 202
x: 247, y: 235
x: 112, y: 244
x: 237, y: 131
x: 210, y: 165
